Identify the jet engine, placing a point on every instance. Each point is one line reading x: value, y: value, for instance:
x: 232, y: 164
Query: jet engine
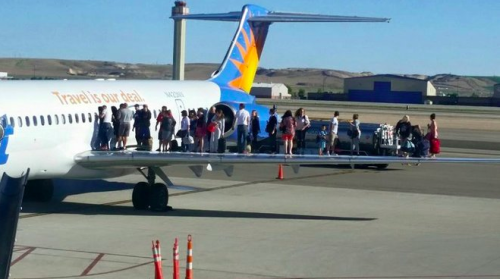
x: 230, y: 108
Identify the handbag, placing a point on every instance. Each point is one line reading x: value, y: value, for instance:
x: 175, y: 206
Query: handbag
x: 211, y: 127
x: 435, y: 146
x: 188, y: 140
x: 181, y: 133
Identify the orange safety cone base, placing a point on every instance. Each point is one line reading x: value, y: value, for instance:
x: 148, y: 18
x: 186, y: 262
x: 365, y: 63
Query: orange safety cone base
x: 280, y: 172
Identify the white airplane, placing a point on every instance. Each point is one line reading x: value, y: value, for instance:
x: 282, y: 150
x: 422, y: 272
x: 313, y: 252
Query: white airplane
x: 50, y: 126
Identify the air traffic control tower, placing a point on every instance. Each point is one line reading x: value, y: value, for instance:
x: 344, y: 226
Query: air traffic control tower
x: 180, y: 8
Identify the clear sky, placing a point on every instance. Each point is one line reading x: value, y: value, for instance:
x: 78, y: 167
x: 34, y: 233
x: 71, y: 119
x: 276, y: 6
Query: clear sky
x: 424, y: 36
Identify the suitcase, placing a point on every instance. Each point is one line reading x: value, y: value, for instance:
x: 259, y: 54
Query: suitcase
x: 221, y: 147
x: 435, y: 146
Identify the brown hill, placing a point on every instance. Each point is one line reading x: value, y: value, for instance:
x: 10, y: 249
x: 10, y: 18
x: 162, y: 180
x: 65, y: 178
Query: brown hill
x: 297, y: 78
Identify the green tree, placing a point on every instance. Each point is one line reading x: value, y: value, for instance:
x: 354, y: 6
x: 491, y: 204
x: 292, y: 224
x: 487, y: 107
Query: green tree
x: 302, y: 93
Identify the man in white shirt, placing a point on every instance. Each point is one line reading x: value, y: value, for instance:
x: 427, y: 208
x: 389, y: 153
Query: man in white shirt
x: 242, y: 121
x: 125, y: 115
x: 332, y: 135
x: 105, y: 127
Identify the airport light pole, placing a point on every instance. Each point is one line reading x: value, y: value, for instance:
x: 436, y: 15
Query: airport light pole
x: 180, y: 8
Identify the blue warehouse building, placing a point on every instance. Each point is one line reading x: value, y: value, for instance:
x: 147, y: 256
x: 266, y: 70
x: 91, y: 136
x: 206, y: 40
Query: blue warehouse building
x: 388, y: 89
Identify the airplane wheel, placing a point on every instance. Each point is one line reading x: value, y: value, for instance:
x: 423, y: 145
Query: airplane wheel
x: 158, y: 197
x: 39, y: 190
x: 140, y: 196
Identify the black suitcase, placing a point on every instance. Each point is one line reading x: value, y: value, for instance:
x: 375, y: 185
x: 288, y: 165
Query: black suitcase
x: 221, y: 148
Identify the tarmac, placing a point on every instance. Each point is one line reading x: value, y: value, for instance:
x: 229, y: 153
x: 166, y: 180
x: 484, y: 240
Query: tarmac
x: 430, y: 221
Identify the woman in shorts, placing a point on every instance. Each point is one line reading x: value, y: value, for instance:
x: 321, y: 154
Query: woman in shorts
x: 287, y: 126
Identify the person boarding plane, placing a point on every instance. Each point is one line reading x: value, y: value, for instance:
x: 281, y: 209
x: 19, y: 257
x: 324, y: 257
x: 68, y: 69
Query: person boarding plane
x: 50, y: 127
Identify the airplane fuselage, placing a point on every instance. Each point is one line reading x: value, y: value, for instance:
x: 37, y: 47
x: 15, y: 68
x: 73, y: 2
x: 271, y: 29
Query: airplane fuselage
x: 51, y: 121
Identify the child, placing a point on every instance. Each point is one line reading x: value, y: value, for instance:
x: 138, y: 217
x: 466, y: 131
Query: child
x: 321, y: 139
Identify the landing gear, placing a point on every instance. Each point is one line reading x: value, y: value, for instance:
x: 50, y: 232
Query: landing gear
x: 39, y: 190
x: 150, y: 194
x: 140, y: 196
x: 158, y: 197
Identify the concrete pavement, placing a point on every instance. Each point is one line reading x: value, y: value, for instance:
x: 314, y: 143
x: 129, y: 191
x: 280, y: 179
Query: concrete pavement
x: 404, y: 222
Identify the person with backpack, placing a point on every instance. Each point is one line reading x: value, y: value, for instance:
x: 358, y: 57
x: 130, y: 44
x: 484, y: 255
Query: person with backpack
x: 272, y: 123
x: 321, y: 139
x: 355, y: 133
x: 403, y: 130
x: 167, y: 130
x: 287, y: 126
x: 302, y: 125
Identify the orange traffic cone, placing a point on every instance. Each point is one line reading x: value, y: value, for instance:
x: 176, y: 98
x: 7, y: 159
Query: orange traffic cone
x: 189, y: 261
x: 157, y: 260
x: 280, y: 172
x: 176, y: 260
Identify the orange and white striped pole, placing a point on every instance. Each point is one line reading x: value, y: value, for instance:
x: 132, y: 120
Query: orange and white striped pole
x: 189, y: 263
x: 176, y: 260
x: 157, y: 260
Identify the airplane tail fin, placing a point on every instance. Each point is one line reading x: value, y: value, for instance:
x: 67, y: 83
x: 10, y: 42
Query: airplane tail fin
x: 242, y: 58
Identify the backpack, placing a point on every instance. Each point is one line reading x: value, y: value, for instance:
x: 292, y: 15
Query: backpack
x: 353, y: 132
x: 271, y: 123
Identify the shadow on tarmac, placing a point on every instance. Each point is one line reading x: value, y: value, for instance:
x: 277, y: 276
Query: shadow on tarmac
x: 38, y: 209
x: 67, y: 187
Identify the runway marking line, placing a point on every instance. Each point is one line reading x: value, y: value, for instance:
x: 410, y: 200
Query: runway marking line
x: 29, y: 250
x: 94, y: 263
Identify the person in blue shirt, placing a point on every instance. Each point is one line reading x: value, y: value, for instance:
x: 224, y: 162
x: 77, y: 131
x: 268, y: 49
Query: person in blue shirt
x: 321, y: 139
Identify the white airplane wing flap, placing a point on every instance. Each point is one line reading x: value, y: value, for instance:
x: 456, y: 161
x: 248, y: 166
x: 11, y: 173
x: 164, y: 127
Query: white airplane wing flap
x: 136, y: 159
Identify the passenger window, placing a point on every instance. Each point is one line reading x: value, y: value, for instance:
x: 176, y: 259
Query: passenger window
x: 12, y: 123
x: 83, y: 118
x: 63, y: 119
x: 35, y: 122
x: 154, y: 111
x: 70, y: 119
x: 49, y: 120
x: 19, y: 121
x: 27, y: 121
x: 42, y: 120
x: 90, y: 118
x: 96, y: 117
x: 56, y: 119
x: 76, y: 118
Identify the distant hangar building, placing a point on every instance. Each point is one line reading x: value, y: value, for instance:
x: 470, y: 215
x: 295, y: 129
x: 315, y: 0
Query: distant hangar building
x: 388, y: 89
x: 270, y: 91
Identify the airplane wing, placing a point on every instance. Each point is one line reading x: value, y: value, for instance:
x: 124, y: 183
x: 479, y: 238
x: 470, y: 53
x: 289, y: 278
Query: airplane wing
x: 137, y: 159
